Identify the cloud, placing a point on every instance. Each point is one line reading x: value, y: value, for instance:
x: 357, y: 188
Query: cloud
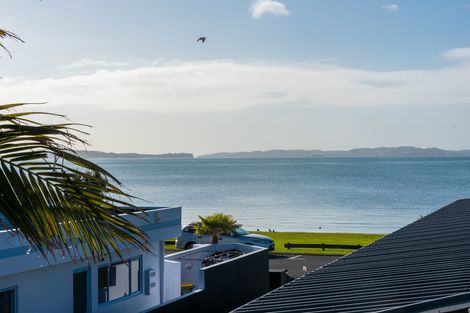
x: 224, y: 85
x: 260, y: 7
x: 459, y: 54
x: 391, y: 7
x: 86, y: 62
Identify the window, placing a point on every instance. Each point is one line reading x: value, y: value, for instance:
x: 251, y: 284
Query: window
x: 189, y: 229
x: 240, y: 232
x: 80, y: 292
x: 119, y: 280
x: 7, y: 301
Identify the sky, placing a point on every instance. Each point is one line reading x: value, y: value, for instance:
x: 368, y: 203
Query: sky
x: 287, y: 74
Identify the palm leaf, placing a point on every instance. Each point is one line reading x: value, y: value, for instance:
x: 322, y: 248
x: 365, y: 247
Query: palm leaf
x: 57, y: 200
x: 6, y: 34
x: 215, y: 225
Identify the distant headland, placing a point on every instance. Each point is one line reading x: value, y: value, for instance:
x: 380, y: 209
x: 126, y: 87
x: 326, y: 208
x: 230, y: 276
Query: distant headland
x: 113, y: 155
x: 380, y: 152
x: 404, y: 151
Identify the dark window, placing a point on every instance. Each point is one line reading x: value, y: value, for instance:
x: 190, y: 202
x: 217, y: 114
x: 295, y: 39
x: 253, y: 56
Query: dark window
x: 188, y: 229
x: 80, y: 292
x: 119, y: 280
x: 102, y: 284
x: 7, y: 301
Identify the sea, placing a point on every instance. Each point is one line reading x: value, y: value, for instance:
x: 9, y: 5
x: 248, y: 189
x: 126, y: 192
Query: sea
x: 366, y: 195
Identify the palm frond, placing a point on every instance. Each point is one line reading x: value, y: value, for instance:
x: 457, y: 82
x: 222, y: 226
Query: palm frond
x: 215, y: 225
x: 7, y: 34
x: 55, y: 198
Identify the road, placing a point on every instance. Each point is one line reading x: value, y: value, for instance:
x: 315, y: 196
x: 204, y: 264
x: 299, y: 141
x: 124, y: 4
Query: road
x: 296, y: 264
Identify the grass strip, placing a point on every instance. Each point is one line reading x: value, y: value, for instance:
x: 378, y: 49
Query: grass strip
x: 281, y: 238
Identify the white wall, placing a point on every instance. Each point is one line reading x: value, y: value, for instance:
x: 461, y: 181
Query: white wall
x: 44, y: 290
x: 43, y: 287
x: 191, y: 260
x: 172, y: 280
x: 50, y: 289
x: 17, y: 257
x: 190, y: 272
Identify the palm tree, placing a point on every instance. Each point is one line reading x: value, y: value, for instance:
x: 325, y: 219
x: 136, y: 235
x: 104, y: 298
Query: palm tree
x: 215, y: 225
x: 57, y: 199
x: 53, y: 198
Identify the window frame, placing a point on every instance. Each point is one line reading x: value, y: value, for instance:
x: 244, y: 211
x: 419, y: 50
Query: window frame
x: 131, y: 294
x: 15, y: 296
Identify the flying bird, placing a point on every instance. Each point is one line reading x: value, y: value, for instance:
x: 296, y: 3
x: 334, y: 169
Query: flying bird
x: 201, y: 39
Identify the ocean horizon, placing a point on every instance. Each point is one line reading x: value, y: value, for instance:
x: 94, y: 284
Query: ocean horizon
x: 368, y: 195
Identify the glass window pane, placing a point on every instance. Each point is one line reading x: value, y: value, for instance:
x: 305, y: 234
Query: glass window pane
x: 135, y: 275
x: 118, y: 281
x: 102, y: 284
x: 6, y: 301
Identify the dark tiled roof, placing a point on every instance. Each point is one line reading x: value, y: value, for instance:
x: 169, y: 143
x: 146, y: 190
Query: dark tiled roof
x: 427, y: 261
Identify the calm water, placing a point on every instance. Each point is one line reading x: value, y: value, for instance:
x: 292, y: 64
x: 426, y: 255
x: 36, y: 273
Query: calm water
x: 376, y: 195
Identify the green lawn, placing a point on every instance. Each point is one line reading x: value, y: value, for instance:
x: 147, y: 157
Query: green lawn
x: 170, y: 245
x: 280, y: 238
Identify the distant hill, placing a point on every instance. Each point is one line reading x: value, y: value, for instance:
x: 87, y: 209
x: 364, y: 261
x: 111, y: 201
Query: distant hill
x: 112, y: 155
x: 404, y: 151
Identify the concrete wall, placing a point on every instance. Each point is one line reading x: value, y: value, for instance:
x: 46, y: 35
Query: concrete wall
x: 226, y: 285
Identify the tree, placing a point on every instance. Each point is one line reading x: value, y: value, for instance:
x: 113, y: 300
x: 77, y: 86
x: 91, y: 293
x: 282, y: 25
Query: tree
x: 57, y: 199
x: 215, y: 225
x: 52, y: 197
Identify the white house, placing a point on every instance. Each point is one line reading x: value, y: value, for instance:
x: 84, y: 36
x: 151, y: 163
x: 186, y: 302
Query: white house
x: 29, y: 284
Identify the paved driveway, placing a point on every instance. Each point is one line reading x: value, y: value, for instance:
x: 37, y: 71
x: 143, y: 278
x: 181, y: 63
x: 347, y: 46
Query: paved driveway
x: 296, y: 264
